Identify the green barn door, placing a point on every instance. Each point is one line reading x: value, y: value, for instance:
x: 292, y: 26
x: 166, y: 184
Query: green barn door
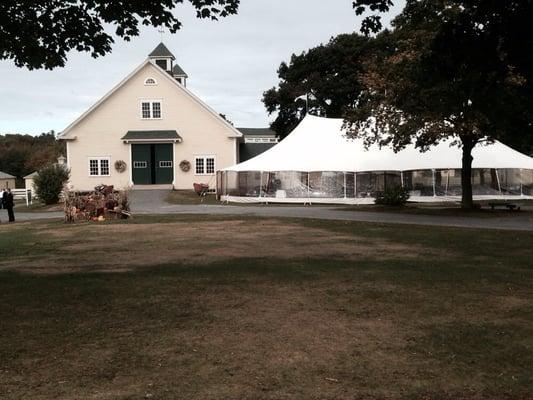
x: 141, y: 157
x: 163, y: 163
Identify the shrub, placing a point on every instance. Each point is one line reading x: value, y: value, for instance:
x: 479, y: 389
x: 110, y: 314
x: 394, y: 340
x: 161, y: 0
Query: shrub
x: 393, y: 196
x: 49, y: 183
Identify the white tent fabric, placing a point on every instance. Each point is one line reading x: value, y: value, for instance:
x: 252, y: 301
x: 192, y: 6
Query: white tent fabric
x: 319, y: 144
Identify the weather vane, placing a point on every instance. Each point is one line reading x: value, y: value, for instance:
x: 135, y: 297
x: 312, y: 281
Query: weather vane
x: 161, y: 32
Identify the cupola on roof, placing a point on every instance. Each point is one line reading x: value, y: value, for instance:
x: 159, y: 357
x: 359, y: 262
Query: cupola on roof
x: 178, y: 71
x: 161, y: 51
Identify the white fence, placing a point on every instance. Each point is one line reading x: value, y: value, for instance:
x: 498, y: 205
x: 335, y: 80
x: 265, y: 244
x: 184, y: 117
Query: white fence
x: 24, y: 194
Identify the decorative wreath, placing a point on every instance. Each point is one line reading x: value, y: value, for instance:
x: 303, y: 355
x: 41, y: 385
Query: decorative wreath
x: 185, y: 166
x: 120, y: 165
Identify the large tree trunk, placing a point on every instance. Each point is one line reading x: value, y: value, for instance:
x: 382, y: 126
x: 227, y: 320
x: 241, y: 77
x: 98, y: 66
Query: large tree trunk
x: 467, y: 202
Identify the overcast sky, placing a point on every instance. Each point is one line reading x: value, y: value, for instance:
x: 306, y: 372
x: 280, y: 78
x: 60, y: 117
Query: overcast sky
x: 230, y: 63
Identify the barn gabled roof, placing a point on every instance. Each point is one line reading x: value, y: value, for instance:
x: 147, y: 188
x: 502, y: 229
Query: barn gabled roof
x: 235, y: 133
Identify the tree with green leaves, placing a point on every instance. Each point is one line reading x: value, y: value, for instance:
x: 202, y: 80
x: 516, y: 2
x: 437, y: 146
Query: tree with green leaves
x: 329, y: 76
x: 458, y: 70
x: 39, y: 34
x: 49, y: 182
x: 21, y: 155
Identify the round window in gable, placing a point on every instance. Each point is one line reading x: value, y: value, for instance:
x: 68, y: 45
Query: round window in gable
x: 150, y: 81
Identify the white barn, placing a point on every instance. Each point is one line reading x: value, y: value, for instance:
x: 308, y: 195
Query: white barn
x: 150, y: 131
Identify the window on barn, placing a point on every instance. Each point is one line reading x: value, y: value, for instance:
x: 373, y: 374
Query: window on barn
x: 162, y: 64
x: 205, y: 165
x: 93, y: 167
x: 140, y: 164
x: 200, y: 166
x: 145, y: 110
x: 151, y: 109
x: 210, y: 165
x: 156, y: 110
x: 99, y: 166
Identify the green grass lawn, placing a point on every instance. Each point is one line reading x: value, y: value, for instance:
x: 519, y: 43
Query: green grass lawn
x: 190, y: 197
x: 449, y: 209
x: 36, y: 206
x: 250, y: 308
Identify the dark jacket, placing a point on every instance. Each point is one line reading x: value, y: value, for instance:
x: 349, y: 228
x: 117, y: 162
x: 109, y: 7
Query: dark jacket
x: 7, y: 200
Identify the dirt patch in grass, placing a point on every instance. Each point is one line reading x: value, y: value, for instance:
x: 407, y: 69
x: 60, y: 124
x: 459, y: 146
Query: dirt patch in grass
x: 112, y: 247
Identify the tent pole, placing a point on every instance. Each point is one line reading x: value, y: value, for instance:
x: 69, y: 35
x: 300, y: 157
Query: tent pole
x: 401, y: 178
x: 260, y: 183
x: 355, y: 184
x: 434, y: 184
x: 521, y: 183
x: 447, y: 183
x: 498, y: 180
x: 308, y: 189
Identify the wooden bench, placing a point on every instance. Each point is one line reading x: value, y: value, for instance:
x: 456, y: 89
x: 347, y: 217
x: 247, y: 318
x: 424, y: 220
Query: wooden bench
x: 509, y: 206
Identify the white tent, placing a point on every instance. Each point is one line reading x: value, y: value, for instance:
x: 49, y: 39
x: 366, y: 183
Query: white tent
x: 318, y: 163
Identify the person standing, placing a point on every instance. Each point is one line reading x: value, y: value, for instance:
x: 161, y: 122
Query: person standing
x: 2, y: 191
x: 8, y: 203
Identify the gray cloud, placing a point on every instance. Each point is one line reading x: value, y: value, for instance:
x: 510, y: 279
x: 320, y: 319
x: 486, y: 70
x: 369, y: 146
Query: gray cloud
x: 230, y: 63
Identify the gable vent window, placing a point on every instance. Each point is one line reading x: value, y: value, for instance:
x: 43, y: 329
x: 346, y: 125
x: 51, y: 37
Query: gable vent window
x: 150, y: 82
x: 151, y: 109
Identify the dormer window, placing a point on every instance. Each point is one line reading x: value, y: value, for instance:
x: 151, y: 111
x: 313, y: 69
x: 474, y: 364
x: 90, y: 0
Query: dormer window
x: 150, y: 82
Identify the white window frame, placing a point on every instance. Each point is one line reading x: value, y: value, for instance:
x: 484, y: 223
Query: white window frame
x: 166, y: 164
x: 99, y: 160
x: 140, y: 164
x: 146, y: 83
x: 151, y: 102
x: 204, y: 158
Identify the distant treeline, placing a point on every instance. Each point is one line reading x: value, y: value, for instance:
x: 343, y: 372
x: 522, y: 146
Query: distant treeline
x: 21, y: 155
